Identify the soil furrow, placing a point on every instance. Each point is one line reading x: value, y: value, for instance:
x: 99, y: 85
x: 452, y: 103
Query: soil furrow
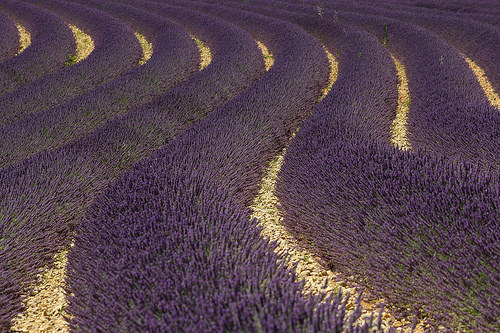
x: 268, y: 57
x: 84, y: 44
x: 147, y: 48
x: 46, y: 303
x: 308, y: 267
x: 205, y: 55
x: 24, y: 38
x: 398, y: 128
x: 484, y: 82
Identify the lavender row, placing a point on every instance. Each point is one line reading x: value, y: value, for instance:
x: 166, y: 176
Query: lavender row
x: 116, y: 51
x: 387, y: 216
x: 449, y: 113
x: 186, y: 256
x: 42, y: 198
x: 467, y: 11
x: 297, y: 78
x: 419, y: 230
x: 486, y: 12
x: 458, y: 6
x: 372, y: 69
x: 476, y: 40
x: 179, y: 256
x: 476, y: 13
x: 354, y: 205
x: 9, y: 39
x: 52, y: 41
x: 57, y: 126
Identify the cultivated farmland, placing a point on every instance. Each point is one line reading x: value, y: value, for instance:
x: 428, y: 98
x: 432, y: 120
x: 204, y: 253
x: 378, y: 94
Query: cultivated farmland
x: 249, y: 166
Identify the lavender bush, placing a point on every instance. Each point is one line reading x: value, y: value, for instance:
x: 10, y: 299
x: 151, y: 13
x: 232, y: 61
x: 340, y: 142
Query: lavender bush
x: 42, y: 197
x: 387, y: 216
x: 52, y: 41
x: 116, y: 52
x: 153, y: 172
x: 9, y: 38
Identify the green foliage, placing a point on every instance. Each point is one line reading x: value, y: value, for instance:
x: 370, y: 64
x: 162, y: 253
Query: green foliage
x: 385, y: 37
x: 71, y: 60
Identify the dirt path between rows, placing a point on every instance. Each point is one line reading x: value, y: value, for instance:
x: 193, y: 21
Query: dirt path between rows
x: 84, y: 44
x: 24, y: 38
x: 484, y: 82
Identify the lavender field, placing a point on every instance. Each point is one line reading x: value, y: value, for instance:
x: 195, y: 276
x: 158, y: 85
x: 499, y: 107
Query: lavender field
x: 249, y: 166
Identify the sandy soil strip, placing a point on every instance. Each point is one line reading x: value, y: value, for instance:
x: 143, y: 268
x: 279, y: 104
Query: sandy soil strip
x: 24, y: 38
x: 45, y: 305
x: 484, y: 82
x: 268, y: 56
x: 84, y: 46
x: 147, y: 48
x: 398, y: 128
x: 334, y: 69
x: 205, y: 55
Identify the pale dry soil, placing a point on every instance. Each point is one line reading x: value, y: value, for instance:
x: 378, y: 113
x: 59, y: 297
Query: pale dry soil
x: 484, y: 82
x: 84, y: 44
x: 268, y: 57
x: 205, y: 54
x: 45, y: 305
x: 24, y: 38
x: 398, y: 128
x: 147, y: 48
x: 334, y: 68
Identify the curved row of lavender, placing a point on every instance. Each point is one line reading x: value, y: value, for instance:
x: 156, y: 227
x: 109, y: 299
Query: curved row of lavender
x: 475, y: 12
x: 52, y: 41
x: 9, y: 38
x: 341, y: 39
x: 116, y: 51
x: 478, y: 41
x: 42, y: 198
x: 178, y: 251
x: 422, y: 232
x: 387, y: 216
x: 455, y: 6
x: 52, y: 128
x: 449, y: 113
x: 488, y: 191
